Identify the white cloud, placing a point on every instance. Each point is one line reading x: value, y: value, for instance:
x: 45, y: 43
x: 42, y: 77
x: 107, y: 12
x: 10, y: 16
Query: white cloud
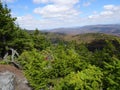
x: 106, y: 13
x: 40, y: 1
x: 63, y: 13
x: 111, y: 7
x: 56, y: 11
x: 110, y: 14
x: 8, y: 1
x: 51, y: 9
x: 60, y: 2
x: 27, y: 22
x: 30, y: 22
x: 65, y: 2
x: 59, y: 9
x: 86, y: 4
x: 109, y: 11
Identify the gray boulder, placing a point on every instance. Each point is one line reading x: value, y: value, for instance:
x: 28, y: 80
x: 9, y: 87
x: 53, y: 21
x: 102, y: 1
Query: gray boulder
x: 7, y: 81
x: 11, y: 81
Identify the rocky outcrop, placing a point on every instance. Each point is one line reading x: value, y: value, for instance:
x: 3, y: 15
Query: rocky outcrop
x: 12, y: 78
x: 7, y: 81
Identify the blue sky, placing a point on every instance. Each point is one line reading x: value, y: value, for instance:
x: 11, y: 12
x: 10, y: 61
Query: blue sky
x: 48, y: 14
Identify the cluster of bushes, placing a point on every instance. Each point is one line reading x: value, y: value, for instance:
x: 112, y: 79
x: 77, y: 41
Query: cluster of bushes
x: 73, y: 67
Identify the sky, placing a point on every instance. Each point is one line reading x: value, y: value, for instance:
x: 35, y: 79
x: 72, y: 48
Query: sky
x: 49, y: 14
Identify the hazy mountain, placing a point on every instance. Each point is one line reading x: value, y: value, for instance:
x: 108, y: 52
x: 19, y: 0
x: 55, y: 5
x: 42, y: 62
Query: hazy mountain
x: 109, y: 29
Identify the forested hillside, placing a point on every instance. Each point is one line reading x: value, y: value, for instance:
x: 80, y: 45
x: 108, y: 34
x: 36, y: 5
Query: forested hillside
x: 59, y: 64
x: 113, y: 29
x: 79, y: 38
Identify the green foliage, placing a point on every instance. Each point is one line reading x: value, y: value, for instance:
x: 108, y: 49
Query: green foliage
x: 7, y: 27
x: 41, y: 68
x: 35, y: 68
x: 40, y: 41
x: 72, y: 67
x: 88, y: 79
x: 3, y: 62
x: 108, y: 60
x: 22, y: 41
x: 112, y: 74
x: 67, y: 62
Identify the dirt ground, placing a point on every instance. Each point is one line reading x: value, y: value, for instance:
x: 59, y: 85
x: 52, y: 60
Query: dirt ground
x: 12, y: 69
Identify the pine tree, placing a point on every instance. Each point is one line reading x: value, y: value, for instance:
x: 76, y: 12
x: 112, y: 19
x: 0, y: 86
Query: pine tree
x: 7, y: 27
x: 7, y: 24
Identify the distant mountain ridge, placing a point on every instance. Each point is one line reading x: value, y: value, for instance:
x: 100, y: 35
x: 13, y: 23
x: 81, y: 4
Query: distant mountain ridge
x: 108, y: 29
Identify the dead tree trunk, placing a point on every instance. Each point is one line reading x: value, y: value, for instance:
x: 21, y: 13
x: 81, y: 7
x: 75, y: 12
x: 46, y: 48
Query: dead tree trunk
x: 12, y: 57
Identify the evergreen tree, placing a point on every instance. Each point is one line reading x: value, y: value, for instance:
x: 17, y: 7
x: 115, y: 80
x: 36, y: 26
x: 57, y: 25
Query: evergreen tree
x: 11, y: 35
x: 40, y: 40
x: 7, y: 27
